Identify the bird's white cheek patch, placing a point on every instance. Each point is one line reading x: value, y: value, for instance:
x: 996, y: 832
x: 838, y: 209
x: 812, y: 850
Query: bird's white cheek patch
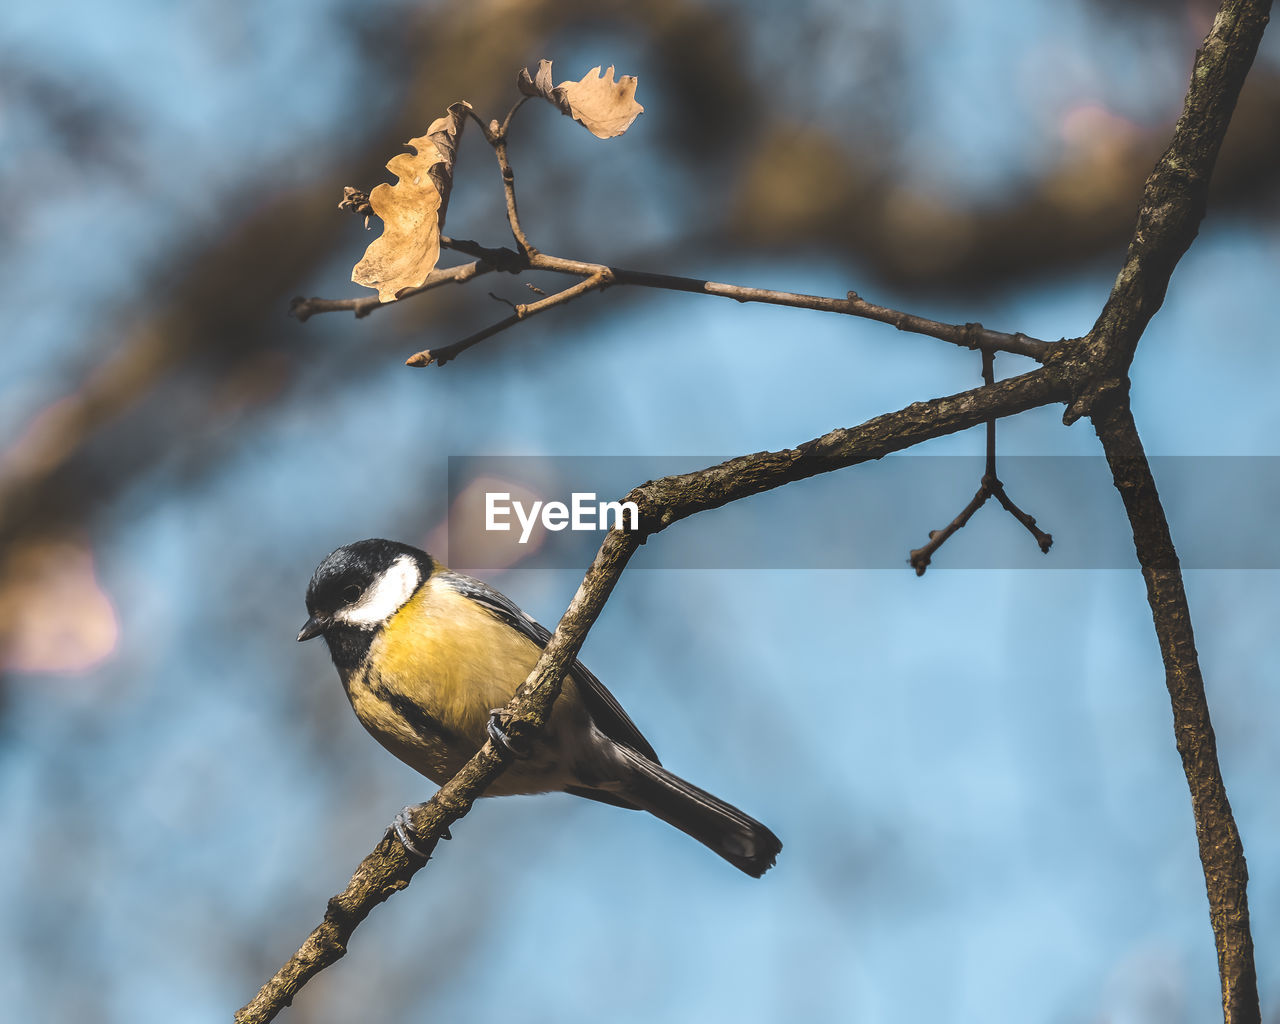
x: 384, y: 596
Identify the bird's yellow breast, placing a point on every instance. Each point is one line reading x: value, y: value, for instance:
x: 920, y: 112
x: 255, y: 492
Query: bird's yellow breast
x: 454, y: 657
x: 432, y: 674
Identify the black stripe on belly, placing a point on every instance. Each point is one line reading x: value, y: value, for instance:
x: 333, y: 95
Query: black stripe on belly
x: 425, y: 726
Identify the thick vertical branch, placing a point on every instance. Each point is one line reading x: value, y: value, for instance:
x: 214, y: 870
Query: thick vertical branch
x: 1174, y: 197
x: 1221, y: 851
x: 1173, y: 204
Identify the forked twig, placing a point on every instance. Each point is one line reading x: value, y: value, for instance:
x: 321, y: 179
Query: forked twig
x: 991, y: 487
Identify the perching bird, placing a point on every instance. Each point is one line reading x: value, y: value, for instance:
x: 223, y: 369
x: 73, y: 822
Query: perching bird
x: 426, y: 655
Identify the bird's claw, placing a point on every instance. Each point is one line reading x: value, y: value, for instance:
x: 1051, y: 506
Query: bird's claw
x: 500, y: 737
x: 402, y: 826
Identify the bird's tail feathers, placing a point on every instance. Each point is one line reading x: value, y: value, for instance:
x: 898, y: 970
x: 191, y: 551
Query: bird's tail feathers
x: 721, y: 827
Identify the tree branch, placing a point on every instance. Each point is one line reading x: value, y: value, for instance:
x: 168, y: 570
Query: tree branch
x: 441, y: 356
x: 972, y: 335
x: 303, y: 308
x: 661, y: 502
x: 1221, y: 851
x: 1174, y: 199
x: 1173, y: 204
x: 969, y: 335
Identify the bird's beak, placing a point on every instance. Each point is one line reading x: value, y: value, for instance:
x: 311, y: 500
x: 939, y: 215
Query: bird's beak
x: 311, y: 629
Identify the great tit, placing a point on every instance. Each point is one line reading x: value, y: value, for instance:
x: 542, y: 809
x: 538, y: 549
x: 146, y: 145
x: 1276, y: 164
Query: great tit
x: 425, y: 654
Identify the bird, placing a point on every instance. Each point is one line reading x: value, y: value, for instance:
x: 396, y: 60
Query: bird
x: 427, y: 655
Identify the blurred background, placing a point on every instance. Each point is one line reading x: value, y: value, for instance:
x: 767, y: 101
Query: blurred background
x: 973, y: 773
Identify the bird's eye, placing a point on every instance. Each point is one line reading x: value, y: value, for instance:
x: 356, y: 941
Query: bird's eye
x: 351, y: 594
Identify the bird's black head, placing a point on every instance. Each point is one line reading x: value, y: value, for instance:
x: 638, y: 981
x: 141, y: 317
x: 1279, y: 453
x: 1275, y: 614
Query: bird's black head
x: 359, y: 587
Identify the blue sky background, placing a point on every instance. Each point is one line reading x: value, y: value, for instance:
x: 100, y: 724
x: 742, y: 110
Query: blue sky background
x: 973, y: 774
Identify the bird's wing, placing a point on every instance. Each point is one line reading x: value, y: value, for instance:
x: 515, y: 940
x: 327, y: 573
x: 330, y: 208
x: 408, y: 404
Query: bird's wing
x: 607, y: 713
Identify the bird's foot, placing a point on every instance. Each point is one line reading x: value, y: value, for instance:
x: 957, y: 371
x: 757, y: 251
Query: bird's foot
x: 402, y: 826
x: 501, y: 739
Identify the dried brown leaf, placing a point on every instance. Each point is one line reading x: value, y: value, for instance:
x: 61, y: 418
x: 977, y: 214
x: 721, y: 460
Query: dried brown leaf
x: 407, y: 250
x: 540, y: 86
x: 604, y: 107
x: 443, y: 133
x: 543, y: 81
x: 412, y: 210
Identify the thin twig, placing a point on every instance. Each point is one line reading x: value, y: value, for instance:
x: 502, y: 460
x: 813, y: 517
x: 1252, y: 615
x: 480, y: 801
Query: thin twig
x: 506, y: 122
x: 919, y: 558
x: 991, y: 480
x: 497, y: 136
x: 509, y: 189
x: 488, y: 129
x: 1044, y: 540
x: 969, y: 335
x: 303, y: 308
x: 972, y: 335
x: 991, y: 487
x: 441, y: 356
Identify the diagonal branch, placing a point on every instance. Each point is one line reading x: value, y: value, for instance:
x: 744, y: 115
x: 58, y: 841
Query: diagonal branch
x: 666, y: 501
x: 971, y: 335
x: 440, y: 356
x: 661, y: 502
x: 1221, y: 851
x: 390, y: 867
